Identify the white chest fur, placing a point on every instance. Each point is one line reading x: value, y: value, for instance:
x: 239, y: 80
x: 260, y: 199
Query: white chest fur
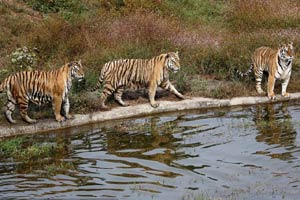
x: 283, y: 70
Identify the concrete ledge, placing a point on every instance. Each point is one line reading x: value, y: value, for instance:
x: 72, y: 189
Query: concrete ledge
x: 133, y: 111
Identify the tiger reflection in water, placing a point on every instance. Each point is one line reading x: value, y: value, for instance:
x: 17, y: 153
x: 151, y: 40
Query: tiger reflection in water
x: 274, y: 125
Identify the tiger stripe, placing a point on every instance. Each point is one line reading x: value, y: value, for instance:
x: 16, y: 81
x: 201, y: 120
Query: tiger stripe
x: 40, y: 87
x: 117, y: 75
x: 278, y: 64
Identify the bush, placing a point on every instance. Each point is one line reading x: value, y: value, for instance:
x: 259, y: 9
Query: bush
x: 24, y: 58
x: 48, y: 6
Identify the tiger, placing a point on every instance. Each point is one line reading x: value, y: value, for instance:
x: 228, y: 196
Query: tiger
x: 138, y: 73
x: 278, y: 64
x: 41, y: 87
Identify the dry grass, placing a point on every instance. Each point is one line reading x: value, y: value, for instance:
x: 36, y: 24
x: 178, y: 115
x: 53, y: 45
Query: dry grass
x: 213, y: 37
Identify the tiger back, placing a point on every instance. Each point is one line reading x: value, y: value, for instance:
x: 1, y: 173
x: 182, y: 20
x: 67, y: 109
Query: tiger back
x: 41, y: 87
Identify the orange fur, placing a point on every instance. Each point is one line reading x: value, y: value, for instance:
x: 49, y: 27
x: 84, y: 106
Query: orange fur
x: 277, y: 62
x: 152, y: 73
x: 41, y: 87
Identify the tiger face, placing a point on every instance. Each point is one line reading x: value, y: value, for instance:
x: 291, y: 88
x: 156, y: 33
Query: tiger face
x: 287, y: 52
x: 76, y: 70
x: 172, y: 62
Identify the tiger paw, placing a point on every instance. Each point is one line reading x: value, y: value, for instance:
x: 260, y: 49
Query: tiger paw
x: 286, y: 95
x: 68, y: 116
x: 60, y: 118
x: 272, y: 97
x: 154, y: 105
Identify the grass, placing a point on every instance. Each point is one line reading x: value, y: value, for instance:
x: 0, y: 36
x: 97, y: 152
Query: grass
x: 213, y: 38
x: 28, y: 153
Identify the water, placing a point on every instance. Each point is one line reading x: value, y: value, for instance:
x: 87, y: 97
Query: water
x: 239, y: 153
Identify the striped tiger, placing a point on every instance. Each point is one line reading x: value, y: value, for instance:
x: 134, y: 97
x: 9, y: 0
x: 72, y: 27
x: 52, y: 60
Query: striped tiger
x: 41, y: 87
x: 278, y: 64
x: 119, y: 74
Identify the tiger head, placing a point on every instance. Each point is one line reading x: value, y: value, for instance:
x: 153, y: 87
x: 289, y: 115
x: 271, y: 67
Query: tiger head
x: 286, y: 52
x: 76, y: 70
x: 172, y: 62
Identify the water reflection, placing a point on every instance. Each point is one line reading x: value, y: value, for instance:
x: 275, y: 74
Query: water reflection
x: 275, y: 127
x: 224, y: 153
x: 151, y: 140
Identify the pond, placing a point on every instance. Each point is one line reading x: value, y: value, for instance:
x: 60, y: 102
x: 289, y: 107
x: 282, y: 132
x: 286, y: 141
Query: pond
x: 231, y: 153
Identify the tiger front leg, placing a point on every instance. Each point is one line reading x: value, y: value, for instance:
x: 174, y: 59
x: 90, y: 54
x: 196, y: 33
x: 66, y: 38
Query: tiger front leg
x: 57, y: 104
x: 108, y: 89
x: 152, y: 92
x: 271, y: 84
x: 168, y: 86
x: 66, y: 108
x: 284, y: 85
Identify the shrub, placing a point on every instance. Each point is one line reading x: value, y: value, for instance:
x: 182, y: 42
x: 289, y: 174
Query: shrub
x: 24, y: 58
x: 47, y: 6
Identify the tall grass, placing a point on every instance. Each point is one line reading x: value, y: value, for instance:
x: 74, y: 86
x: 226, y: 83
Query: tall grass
x: 250, y: 15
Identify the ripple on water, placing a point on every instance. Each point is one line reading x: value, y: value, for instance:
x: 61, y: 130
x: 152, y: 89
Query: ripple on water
x: 251, y: 152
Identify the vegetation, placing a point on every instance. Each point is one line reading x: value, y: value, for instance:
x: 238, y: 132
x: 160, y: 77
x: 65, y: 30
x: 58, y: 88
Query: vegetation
x: 22, y: 149
x: 213, y: 38
x: 31, y: 154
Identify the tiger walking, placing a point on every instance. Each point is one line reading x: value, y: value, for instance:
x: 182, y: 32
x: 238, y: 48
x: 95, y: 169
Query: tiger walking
x: 278, y: 64
x: 41, y: 87
x: 152, y: 73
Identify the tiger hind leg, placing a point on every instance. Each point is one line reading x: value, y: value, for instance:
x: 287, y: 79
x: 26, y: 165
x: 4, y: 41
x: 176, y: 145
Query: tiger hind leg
x: 23, y: 105
x: 10, y: 107
x: 118, y: 96
x: 258, y: 85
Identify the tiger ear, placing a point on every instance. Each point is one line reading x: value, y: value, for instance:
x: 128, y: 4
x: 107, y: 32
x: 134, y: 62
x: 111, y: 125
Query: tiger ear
x: 291, y: 44
x: 79, y: 62
x: 177, y: 53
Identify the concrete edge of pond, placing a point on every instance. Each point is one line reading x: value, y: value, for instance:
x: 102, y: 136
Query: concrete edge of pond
x: 134, y: 111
